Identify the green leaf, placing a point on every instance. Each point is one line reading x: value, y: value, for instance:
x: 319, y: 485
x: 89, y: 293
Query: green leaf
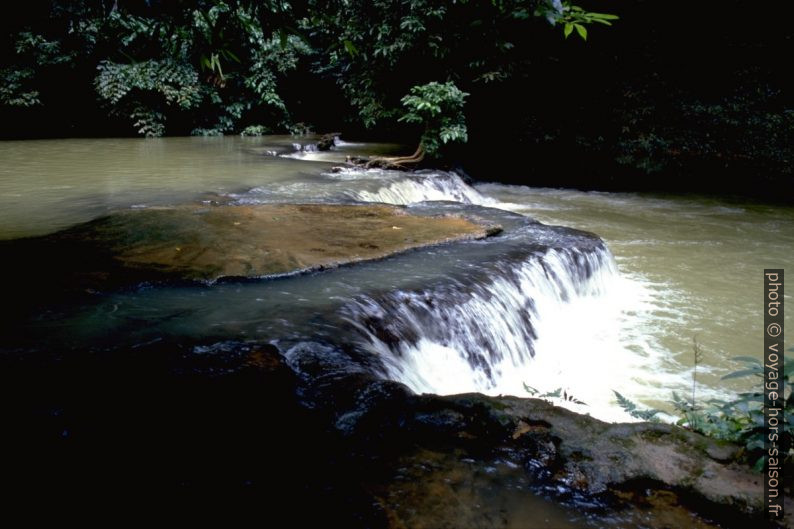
x: 529, y: 389
x: 350, y: 48
x: 568, y: 29
x: 229, y: 54
x: 581, y: 30
x: 553, y: 394
x: 603, y: 16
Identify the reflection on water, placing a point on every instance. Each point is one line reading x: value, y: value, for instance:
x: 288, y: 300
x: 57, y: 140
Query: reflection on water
x: 47, y: 185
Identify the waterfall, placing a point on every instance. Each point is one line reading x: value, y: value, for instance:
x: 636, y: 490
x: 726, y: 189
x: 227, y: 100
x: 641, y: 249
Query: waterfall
x: 557, y: 315
x: 409, y: 188
x: 547, y: 321
x: 370, y: 185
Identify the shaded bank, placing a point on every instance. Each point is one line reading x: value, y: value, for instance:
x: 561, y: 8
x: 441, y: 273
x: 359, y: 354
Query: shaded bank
x: 193, y: 418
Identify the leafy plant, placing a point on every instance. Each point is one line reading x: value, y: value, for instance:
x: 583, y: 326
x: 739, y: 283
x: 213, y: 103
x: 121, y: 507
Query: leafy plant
x: 300, y: 129
x: 573, y: 17
x: 219, y: 66
x: 634, y: 410
x: 18, y: 82
x: 212, y: 66
x: 255, y: 130
x: 558, y: 393
x: 375, y: 49
x: 14, y: 90
x: 740, y: 420
x: 438, y: 108
x: 663, y: 129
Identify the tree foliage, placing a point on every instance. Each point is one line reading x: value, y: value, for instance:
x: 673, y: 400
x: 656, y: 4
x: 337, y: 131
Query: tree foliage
x: 214, y: 63
x: 219, y: 66
x: 750, y: 126
x: 439, y: 109
x: 378, y: 50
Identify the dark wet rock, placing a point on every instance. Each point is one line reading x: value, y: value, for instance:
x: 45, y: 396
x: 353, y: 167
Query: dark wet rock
x: 172, y: 420
x: 627, y: 468
x: 587, y: 458
x: 327, y: 141
x: 593, y: 456
x: 314, y: 422
x: 377, y: 407
x: 313, y: 361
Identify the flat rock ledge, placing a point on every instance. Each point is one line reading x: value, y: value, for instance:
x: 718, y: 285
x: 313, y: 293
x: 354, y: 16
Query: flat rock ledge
x: 209, y: 243
x: 206, y: 243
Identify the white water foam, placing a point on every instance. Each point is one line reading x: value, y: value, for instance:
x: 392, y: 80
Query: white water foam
x: 540, y: 322
x: 409, y: 188
x: 371, y: 185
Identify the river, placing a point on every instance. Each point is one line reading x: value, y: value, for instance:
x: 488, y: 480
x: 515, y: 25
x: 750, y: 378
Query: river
x: 685, y: 268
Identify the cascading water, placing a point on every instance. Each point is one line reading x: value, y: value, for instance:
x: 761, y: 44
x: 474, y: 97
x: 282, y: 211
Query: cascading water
x: 548, y: 321
x: 449, y: 306
x: 552, y: 319
x: 421, y: 187
x: 371, y: 185
x: 561, y: 317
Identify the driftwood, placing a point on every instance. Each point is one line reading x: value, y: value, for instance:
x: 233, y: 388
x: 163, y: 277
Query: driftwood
x: 389, y: 162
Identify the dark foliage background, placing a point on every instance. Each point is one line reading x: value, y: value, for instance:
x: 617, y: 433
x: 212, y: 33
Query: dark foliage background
x: 676, y: 96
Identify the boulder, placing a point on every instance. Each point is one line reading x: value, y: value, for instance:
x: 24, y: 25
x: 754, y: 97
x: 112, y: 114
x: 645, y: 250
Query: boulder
x: 327, y: 141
